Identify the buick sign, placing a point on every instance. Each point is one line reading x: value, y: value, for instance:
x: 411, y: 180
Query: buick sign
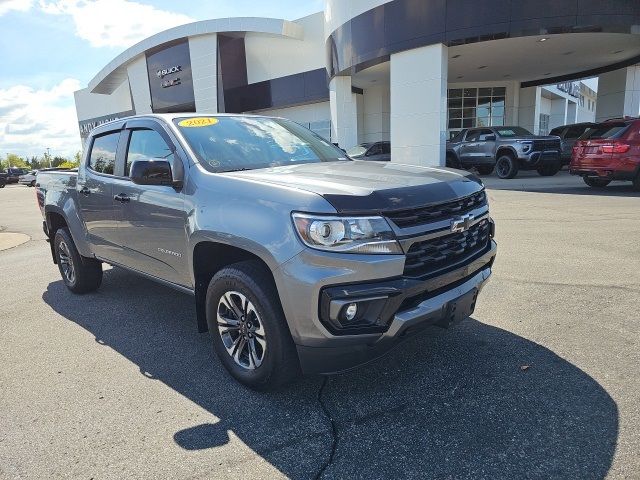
x: 163, y: 72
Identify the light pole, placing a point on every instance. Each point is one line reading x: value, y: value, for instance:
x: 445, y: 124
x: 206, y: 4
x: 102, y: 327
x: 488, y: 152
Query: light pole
x: 49, y: 156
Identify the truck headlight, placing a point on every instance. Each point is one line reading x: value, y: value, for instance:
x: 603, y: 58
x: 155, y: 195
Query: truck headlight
x: 368, y: 235
x: 526, y: 145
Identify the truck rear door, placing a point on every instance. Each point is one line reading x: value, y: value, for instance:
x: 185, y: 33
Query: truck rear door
x: 95, y: 196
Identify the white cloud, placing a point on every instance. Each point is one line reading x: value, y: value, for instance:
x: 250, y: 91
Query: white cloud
x: 114, y: 23
x: 19, y: 5
x: 32, y: 120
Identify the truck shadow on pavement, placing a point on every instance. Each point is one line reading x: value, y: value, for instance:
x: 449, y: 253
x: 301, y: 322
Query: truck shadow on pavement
x: 473, y: 402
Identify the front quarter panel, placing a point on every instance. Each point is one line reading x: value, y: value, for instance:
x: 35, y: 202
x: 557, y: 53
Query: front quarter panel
x: 247, y: 214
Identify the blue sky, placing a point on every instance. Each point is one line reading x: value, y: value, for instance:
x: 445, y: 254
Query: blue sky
x: 50, y: 48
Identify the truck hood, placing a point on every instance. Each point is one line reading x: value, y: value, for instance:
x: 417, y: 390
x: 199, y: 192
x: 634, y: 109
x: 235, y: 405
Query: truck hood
x: 366, y: 186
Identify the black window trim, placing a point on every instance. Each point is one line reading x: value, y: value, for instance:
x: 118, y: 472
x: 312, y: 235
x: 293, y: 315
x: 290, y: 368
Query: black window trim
x: 90, y: 151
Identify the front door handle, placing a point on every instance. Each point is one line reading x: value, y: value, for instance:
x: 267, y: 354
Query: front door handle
x: 85, y: 191
x: 122, y: 198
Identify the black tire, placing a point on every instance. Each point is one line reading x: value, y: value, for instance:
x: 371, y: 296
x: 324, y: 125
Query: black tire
x: 86, y: 273
x: 485, y: 169
x: 549, y: 169
x: 33, y: 183
x: 506, y: 166
x: 2, y: 184
x: 279, y: 364
x: 596, y: 182
x: 636, y: 183
x: 453, y: 162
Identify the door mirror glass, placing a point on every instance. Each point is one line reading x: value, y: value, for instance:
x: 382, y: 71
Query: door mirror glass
x: 488, y: 138
x: 152, y: 171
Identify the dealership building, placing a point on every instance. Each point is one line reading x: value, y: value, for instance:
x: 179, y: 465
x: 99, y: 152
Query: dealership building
x: 409, y: 71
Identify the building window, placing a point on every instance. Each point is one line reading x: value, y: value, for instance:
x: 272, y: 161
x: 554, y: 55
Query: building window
x: 544, y: 124
x: 475, y: 107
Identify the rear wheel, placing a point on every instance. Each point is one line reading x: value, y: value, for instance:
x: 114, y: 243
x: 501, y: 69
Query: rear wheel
x: 506, y: 166
x: 249, y: 332
x: 33, y: 183
x: 549, y: 169
x: 636, y: 183
x: 80, y: 274
x: 596, y: 182
x: 485, y: 169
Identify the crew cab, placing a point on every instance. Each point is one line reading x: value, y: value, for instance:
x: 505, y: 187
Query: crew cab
x: 608, y: 151
x: 299, y: 259
x: 507, y: 149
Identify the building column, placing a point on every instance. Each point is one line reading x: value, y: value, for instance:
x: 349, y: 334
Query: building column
x: 419, y: 105
x: 344, y: 113
x: 139, y: 85
x: 572, y: 112
x: 619, y: 93
x: 529, y: 109
x: 203, y: 51
x: 558, y: 116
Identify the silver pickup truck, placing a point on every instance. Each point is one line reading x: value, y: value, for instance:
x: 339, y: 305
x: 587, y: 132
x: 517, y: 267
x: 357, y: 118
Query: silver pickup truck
x: 300, y: 260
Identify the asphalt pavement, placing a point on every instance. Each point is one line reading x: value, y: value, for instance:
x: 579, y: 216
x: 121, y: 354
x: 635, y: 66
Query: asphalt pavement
x: 542, y: 381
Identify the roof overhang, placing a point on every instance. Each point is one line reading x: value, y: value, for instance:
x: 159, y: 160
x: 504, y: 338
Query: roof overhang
x: 115, y: 72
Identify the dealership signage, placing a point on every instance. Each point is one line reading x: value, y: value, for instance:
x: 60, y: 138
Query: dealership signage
x: 572, y: 88
x: 163, y: 72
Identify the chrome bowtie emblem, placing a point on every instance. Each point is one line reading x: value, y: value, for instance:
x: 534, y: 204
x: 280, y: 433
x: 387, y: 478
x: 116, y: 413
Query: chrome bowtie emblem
x: 462, y: 224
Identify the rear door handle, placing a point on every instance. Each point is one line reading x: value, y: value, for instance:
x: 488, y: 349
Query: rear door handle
x: 85, y: 191
x: 122, y: 198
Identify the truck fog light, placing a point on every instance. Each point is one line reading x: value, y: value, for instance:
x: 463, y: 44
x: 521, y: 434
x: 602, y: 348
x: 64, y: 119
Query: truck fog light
x: 351, y: 311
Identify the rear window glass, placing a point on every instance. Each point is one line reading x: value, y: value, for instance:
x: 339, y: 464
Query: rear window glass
x: 605, y: 131
x: 103, y: 153
x: 576, y: 131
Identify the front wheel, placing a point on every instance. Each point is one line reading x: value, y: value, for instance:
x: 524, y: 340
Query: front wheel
x: 506, y: 167
x: 80, y: 274
x: 452, y: 161
x: 249, y: 332
x: 549, y: 169
x: 596, y: 182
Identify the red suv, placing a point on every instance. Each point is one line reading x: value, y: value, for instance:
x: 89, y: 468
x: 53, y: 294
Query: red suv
x: 608, y: 151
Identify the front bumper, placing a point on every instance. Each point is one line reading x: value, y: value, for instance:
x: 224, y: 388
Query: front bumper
x: 536, y: 159
x: 415, y: 305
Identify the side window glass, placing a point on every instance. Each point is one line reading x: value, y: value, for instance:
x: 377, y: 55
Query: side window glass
x: 484, y: 134
x: 146, y: 144
x: 103, y: 153
x: 375, y: 150
x: 473, y: 136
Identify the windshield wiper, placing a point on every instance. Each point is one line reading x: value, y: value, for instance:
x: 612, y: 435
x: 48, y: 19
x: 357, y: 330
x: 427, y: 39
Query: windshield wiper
x: 236, y: 170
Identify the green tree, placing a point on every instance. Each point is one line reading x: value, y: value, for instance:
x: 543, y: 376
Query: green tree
x: 13, y: 160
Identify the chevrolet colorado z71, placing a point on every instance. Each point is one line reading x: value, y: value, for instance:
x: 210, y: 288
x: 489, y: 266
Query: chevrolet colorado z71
x: 299, y: 258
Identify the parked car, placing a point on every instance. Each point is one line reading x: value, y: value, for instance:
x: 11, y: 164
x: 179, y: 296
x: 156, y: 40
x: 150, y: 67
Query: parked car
x: 569, y: 134
x: 13, y: 174
x: 609, y: 151
x: 28, y: 179
x: 507, y: 149
x: 378, y: 151
x: 299, y: 258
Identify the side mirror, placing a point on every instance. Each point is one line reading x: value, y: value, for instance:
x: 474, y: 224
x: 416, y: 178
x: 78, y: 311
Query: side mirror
x: 489, y: 138
x: 156, y: 171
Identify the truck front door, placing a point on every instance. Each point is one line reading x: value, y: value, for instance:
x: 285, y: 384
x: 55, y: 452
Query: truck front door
x: 152, y: 217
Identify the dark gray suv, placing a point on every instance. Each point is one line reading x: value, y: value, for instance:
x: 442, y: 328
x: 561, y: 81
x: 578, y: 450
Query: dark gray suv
x: 507, y: 149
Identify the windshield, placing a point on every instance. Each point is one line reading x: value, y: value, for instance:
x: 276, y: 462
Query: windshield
x: 225, y: 144
x: 605, y: 131
x: 513, y: 132
x: 358, y: 150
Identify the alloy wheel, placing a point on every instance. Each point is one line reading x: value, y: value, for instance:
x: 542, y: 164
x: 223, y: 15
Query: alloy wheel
x: 241, y: 330
x: 66, y: 262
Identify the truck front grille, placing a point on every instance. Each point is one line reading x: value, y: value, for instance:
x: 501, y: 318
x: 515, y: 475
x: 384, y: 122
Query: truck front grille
x: 544, y: 145
x: 438, y: 253
x: 433, y: 213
